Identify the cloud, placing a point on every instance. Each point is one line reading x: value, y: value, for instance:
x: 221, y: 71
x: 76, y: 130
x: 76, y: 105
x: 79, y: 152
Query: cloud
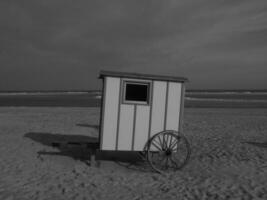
x: 187, y: 37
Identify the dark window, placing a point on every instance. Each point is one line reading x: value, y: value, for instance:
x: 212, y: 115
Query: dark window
x: 136, y: 92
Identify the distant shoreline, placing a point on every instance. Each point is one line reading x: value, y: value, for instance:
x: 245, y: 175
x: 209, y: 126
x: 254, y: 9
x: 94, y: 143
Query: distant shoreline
x: 99, y: 92
x: 193, y: 99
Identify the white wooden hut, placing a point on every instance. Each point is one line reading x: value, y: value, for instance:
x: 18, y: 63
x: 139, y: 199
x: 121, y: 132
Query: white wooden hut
x: 137, y: 106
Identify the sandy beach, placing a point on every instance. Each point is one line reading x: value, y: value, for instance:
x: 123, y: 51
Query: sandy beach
x: 228, y: 161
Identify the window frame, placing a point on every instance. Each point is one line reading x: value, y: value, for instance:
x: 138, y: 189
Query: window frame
x: 136, y: 82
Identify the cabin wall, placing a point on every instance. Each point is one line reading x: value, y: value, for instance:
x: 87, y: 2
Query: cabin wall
x: 110, y: 113
x: 127, y: 127
x: 173, y: 106
x: 158, y: 107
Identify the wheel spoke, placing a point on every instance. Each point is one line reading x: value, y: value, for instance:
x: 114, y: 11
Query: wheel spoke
x: 172, y: 161
x: 168, y: 151
x: 161, y: 143
x: 179, y: 157
x: 177, y: 162
x: 167, y: 144
x: 173, y: 144
x: 159, y: 161
x: 158, y: 156
x: 155, y: 145
x: 156, y: 142
x: 166, y: 162
x: 170, y: 142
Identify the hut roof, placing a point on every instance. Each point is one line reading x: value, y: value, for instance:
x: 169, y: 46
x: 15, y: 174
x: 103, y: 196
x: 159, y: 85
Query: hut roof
x: 141, y: 76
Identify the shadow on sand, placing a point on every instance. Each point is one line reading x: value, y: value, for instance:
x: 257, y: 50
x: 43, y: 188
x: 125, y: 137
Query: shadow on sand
x: 89, y: 126
x: 79, y: 147
x: 258, y: 144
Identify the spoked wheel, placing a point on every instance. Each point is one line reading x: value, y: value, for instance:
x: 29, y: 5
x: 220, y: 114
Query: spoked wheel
x: 168, y: 151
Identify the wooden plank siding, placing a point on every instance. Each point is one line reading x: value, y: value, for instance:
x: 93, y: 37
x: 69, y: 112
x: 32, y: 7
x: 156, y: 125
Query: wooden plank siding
x: 173, y: 108
x: 141, y: 127
x: 110, y: 113
x: 127, y: 127
x: 158, y: 110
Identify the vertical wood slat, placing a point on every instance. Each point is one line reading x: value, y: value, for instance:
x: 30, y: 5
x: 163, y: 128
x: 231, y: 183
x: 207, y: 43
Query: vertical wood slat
x: 181, y: 108
x: 166, y: 105
x: 119, y: 115
x: 141, y: 127
x: 134, y: 125
x: 126, y: 127
x: 102, y: 112
x: 150, y: 110
x: 158, y: 110
x: 173, y: 106
x: 111, y: 113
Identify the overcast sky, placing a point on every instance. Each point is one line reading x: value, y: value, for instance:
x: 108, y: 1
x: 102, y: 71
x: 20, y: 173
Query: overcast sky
x: 62, y: 44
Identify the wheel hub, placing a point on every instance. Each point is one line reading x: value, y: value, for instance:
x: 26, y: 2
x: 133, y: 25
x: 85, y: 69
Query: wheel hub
x: 168, y: 152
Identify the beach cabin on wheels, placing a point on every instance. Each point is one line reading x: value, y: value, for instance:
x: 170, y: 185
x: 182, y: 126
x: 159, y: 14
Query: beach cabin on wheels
x: 136, y: 107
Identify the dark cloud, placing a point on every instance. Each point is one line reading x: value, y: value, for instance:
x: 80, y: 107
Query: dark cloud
x: 62, y: 44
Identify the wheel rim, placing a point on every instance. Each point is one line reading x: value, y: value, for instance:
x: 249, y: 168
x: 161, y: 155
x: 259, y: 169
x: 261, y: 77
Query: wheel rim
x: 168, y: 151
